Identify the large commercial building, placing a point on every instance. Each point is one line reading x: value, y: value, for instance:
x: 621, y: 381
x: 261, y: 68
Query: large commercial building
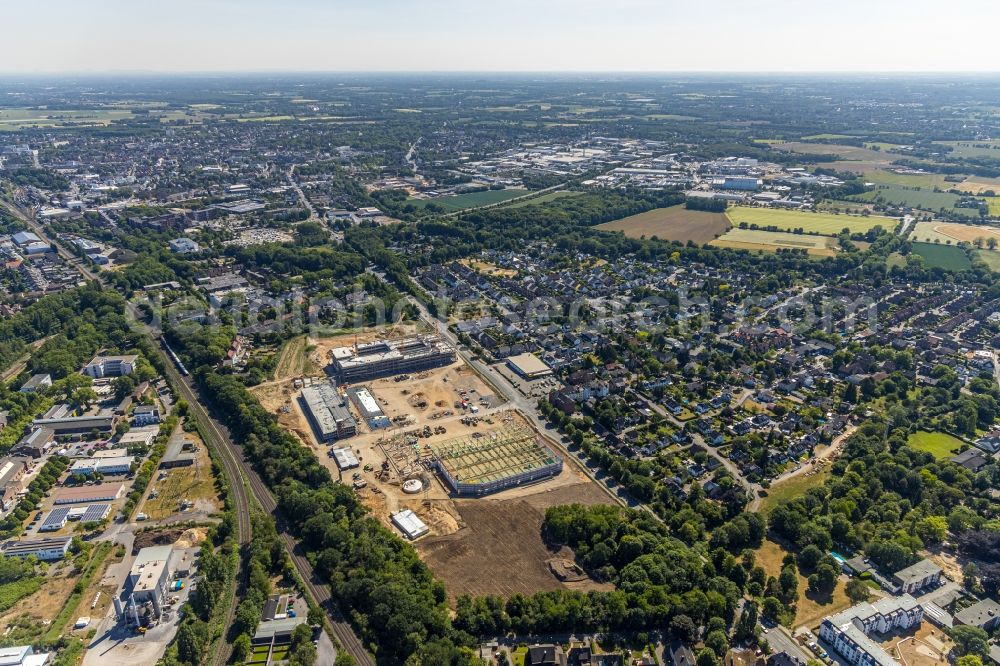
x: 44, y: 549
x: 390, y: 357
x: 149, y: 578
x: 106, y: 466
x: 529, y: 366
x: 78, y: 425
x: 327, y: 412
x: 110, y: 366
x: 100, y: 492
x: 848, y: 632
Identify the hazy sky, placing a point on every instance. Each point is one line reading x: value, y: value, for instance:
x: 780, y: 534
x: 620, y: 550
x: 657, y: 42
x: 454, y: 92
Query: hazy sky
x: 499, y: 35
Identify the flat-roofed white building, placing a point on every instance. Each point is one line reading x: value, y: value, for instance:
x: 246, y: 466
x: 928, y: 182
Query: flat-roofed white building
x: 149, y: 577
x: 110, y: 366
x: 115, y: 465
x: 49, y: 549
x: 409, y: 524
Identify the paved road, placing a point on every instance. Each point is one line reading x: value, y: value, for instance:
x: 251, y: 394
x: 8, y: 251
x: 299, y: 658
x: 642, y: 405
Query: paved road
x: 525, y: 405
x: 781, y: 641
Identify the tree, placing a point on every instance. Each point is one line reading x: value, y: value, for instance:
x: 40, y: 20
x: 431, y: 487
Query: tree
x: 683, y: 628
x: 241, y: 648
x: 824, y: 580
x: 857, y: 590
x: 970, y: 640
x: 969, y: 660
x: 970, y: 577
x: 717, y: 641
x: 301, y: 651
x: 707, y: 658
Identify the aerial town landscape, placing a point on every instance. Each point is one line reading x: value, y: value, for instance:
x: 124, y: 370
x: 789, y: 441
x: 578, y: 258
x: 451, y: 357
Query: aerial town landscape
x: 563, y: 369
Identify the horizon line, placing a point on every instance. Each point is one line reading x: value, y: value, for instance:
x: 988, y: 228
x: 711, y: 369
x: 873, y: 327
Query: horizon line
x: 513, y: 72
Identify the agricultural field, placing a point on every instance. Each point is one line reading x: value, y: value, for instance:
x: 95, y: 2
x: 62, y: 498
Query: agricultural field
x: 458, y: 202
x: 922, y: 180
x: 942, y: 256
x: 772, y: 241
x: 826, y: 137
x: 940, y: 444
x: 15, y: 119
x: 545, y: 198
x: 951, y: 233
x: 674, y: 223
x: 819, y: 223
x: 973, y: 149
x: 916, y: 198
x: 846, y: 153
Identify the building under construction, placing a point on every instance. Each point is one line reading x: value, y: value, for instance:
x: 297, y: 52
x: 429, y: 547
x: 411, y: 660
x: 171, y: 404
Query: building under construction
x: 327, y: 412
x: 365, y: 362
x: 483, y: 463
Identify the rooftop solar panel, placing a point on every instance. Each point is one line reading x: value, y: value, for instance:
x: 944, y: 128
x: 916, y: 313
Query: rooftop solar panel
x: 55, y: 520
x: 96, y: 512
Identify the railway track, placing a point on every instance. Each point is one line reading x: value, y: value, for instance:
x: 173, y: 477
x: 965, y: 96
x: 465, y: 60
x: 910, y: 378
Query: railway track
x: 238, y: 492
x: 240, y: 475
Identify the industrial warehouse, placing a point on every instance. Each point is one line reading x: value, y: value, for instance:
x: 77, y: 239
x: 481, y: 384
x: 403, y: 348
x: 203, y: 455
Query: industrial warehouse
x: 474, y: 466
x: 327, y: 412
x: 390, y: 357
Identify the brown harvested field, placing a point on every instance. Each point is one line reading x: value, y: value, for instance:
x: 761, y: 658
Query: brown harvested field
x: 944, y: 232
x: 675, y: 223
x: 499, y: 548
x: 771, y: 241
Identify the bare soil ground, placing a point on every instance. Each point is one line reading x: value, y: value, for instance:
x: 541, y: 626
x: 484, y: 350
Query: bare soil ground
x: 195, y: 483
x: 499, y: 549
x: 673, y: 223
x: 927, y: 646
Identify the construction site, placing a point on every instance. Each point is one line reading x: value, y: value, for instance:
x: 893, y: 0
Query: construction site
x: 469, y: 468
x: 472, y: 465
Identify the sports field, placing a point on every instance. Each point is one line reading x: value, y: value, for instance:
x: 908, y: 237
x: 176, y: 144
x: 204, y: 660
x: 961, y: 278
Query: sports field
x: 940, y: 444
x: 945, y: 232
x: 942, y: 256
x: 471, y: 200
x: 674, y: 223
x: 772, y: 241
x: 818, y: 223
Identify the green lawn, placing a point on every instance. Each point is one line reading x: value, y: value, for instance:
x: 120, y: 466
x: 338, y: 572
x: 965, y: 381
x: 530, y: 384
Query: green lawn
x: 789, y: 489
x: 925, y: 199
x: 942, y: 256
x: 991, y: 257
x: 939, y: 444
x: 826, y: 224
x: 471, y: 200
x: 545, y: 198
